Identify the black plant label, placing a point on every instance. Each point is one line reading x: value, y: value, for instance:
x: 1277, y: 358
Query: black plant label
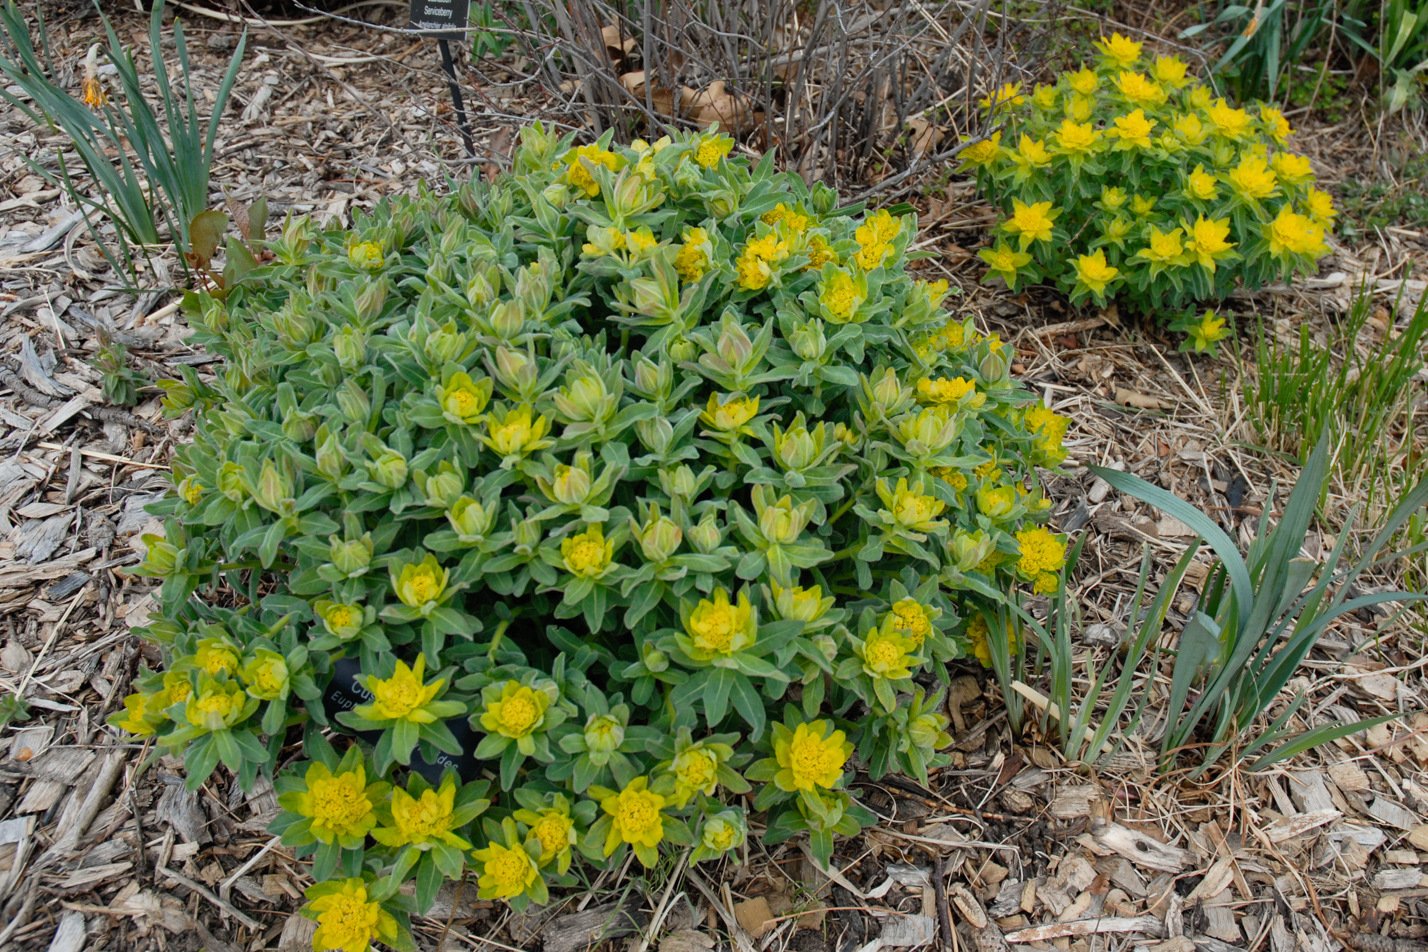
x: 344, y: 692
x: 446, y: 16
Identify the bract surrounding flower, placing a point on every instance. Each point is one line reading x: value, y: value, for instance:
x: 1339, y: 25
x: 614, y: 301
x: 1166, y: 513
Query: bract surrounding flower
x: 404, y: 697
x: 1050, y: 429
x: 1075, y: 138
x: 636, y: 818
x: 1291, y: 168
x: 366, y: 256
x: 1201, y: 185
x: 1320, y: 206
x: 341, y: 620
x: 1041, y: 553
x: 143, y: 713
x: 910, y: 618
x: 1004, y: 94
x: 348, y: 918
x: 587, y: 554
x: 1031, y: 154
x: 1083, y: 81
x: 1139, y: 88
x: 1189, y: 129
x: 1005, y: 262
x: 516, y: 711
x: 516, y: 432
x: 1208, y: 241
x: 692, y: 260
x: 1253, y: 178
x: 875, y: 236
x: 265, y: 675
x: 720, y: 628
x: 809, y: 757
x: 215, y: 656
x: 1164, y: 249
x: 1132, y: 131
x: 422, y: 820
x: 1206, y: 332
x: 731, y: 412
x: 506, y: 870
x: 552, y: 831
x: 1275, y: 124
x: 982, y: 152
x: 216, y: 706
x: 420, y: 585
x: 712, y: 149
x: 1030, y: 222
x: 950, y: 390
x: 1293, y: 234
x: 1119, y: 50
x: 722, y: 832
x: 759, y: 259
x: 1228, y: 121
x: 341, y: 807
x: 1094, y: 273
x: 910, y: 508
x: 462, y: 400
x: 887, y: 654
x: 1170, y: 70
x: 695, y: 771
x: 580, y: 161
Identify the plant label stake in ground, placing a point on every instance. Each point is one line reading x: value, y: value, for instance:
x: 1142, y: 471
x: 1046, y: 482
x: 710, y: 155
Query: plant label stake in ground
x: 449, y: 18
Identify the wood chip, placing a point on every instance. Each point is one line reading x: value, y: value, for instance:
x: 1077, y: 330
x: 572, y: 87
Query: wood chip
x: 1392, y: 814
x: 1074, y: 802
x: 1348, y: 777
x: 1124, y: 875
x: 901, y: 932
x: 69, y: 935
x: 1309, y: 791
x: 1216, y: 880
x: 1221, y: 923
x: 1178, y: 944
x: 1148, y: 925
x: 967, y: 906
x: 1288, y: 827
x: 1390, y: 879
x: 686, y: 940
x: 1135, y: 846
x: 178, y: 807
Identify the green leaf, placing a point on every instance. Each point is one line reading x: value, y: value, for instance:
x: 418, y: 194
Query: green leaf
x: 718, y: 686
x: 749, y: 706
x: 1308, y: 740
x: 1181, y: 510
x: 428, y: 881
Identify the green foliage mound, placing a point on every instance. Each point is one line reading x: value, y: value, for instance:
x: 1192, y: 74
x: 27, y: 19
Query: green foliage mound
x: 655, y: 473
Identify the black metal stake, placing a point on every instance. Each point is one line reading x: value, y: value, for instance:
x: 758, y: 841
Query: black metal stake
x: 448, y: 64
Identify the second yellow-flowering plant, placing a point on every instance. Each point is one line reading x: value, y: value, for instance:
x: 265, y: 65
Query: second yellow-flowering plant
x: 1130, y: 180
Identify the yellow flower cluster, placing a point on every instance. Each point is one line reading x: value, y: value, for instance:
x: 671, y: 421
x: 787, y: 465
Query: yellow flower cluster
x: 1205, y: 196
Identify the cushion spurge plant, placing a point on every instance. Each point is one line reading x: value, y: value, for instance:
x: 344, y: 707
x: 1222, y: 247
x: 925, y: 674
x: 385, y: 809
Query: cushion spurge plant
x: 644, y: 478
x: 1130, y: 180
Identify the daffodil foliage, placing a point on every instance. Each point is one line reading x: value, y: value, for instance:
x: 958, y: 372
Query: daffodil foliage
x: 1128, y: 179
x: 654, y: 466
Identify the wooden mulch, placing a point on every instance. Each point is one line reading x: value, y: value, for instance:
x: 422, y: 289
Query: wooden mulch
x: 101, y: 847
